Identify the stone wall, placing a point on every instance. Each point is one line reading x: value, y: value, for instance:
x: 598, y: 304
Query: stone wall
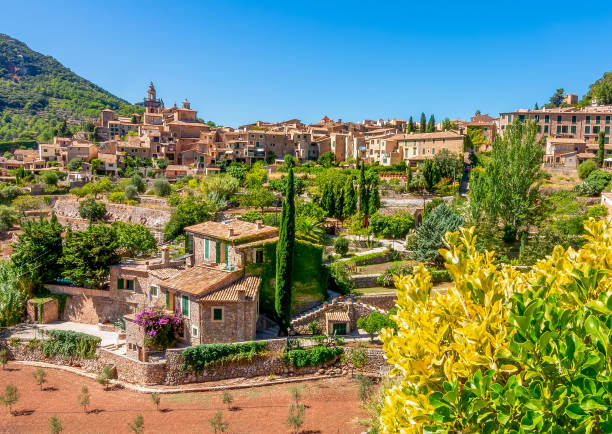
x: 354, y: 310
x: 50, y: 309
x: 365, y: 280
x: 383, y: 301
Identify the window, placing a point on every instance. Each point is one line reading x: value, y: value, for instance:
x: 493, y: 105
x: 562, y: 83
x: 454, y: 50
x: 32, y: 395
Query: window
x: 194, y: 331
x: 573, y: 129
x: 259, y: 257
x: 509, y: 118
x: 564, y: 129
x: 545, y: 128
x: 588, y: 119
x: 573, y: 119
x: 547, y: 118
x: 206, y: 244
x: 558, y: 129
x: 587, y: 130
x: 153, y: 291
x: 168, y: 298
x: 559, y: 118
x: 595, y: 130
x: 217, y: 314
x: 120, y: 284
x: 607, y: 119
x: 125, y: 284
x: 607, y: 130
x: 339, y: 328
x: 597, y: 119
x: 185, y: 306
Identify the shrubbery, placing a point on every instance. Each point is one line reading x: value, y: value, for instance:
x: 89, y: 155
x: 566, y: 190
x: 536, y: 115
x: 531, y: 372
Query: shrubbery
x: 375, y: 322
x: 341, y: 246
x: 314, y: 356
x: 594, y: 184
x: 505, y: 351
x: 67, y: 343
x: 159, y: 328
x: 198, y: 357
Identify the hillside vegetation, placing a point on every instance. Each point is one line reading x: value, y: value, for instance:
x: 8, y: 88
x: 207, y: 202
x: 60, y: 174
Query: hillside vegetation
x: 37, y: 92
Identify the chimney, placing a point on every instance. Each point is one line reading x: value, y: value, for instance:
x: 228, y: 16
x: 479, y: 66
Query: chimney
x: 165, y: 255
x: 191, y: 261
x: 259, y: 224
x: 231, y: 232
x: 241, y: 295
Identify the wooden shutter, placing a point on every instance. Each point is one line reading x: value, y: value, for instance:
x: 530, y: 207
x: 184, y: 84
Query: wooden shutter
x: 185, y: 305
x: 119, y: 283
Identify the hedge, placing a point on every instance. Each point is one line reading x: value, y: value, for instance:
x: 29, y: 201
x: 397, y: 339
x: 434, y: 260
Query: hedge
x: 314, y: 356
x: 70, y: 344
x: 438, y: 276
x: 198, y: 357
x: 358, y: 260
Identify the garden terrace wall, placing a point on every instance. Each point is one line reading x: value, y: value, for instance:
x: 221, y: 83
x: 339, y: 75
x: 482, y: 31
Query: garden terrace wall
x: 384, y: 301
x: 365, y: 280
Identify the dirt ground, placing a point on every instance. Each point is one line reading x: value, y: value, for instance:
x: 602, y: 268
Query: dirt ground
x: 332, y: 407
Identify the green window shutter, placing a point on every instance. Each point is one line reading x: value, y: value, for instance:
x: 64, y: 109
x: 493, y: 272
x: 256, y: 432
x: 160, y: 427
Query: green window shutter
x: 185, y: 305
x: 130, y: 284
x: 119, y: 283
x: 226, y: 259
x: 218, y: 252
x: 167, y: 300
x: 206, y: 245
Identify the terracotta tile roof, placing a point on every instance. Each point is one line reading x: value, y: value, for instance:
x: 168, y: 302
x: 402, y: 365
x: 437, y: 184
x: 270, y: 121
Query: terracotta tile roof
x: 337, y: 316
x: 586, y: 155
x: 166, y: 273
x: 108, y: 158
x: 241, y: 229
x: 200, y: 280
x: 426, y: 136
x: 175, y: 167
x: 249, y: 285
x: 564, y: 140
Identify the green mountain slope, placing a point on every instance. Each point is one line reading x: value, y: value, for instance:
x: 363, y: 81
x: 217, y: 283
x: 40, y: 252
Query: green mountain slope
x: 37, y: 92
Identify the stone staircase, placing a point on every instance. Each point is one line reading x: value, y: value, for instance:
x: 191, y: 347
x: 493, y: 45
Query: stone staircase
x: 272, y: 332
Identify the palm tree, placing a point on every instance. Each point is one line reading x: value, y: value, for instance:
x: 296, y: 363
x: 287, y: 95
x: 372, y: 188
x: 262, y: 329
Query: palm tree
x: 309, y: 228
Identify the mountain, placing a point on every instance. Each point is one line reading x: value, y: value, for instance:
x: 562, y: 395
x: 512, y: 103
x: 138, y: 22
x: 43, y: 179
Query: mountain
x: 37, y: 92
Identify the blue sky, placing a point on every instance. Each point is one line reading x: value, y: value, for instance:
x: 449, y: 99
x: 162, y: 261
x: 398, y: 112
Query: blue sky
x: 239, y: 62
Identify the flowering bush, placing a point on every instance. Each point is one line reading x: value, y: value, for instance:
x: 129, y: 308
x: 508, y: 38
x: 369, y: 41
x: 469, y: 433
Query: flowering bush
x: 160, y: 328
x: 504, y: 350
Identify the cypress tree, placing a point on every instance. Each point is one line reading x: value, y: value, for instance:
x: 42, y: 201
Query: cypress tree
x: 350, y: 198
x: 327, y: 199
x: 374, y: 197
x: 431, y: 125
x: 408, y: 176
x: 363, y: 192
x: 423, y: 123
x: 602, y: 148
x: 410, y: 127
x: 338, y: 200
x: 284, y: 257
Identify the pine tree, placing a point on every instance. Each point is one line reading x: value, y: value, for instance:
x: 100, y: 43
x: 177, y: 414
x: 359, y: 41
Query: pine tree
x: 284, y: 256
x: 350, y: 198
x: 431, y: 125
x: 363, y: 192
x: 410, y: 128
x: 374, y: 196
x: 423, y: 123
x: 602, y: 150
x: 536, y: 106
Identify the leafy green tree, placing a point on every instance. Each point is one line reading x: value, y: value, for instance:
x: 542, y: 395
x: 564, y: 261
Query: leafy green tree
x: 137, y: 425
x: 222, y: 164
x: 162, y: 163
x: 8, y: 217
x: 585, y: 168
x: 431, y: 124
x: 431, y: 174
x: 219, y: 188
x: 422, y: 123
x: 507, y: 191
x: 55, y: 425
x: 138, y: 182
x: 95, y: 164
x: 130, y: 192
x: 327, y: 159
x: 341, y: 246
x: 155, y: 399
x: 284, y: 258
x: 429, y: 236
x: 350, y: 198
x: 394, y: 226
x: 446, y: 124
x: 256, y: 198
x: 75, y: 165
x: 10, y: 397
x: 134, y: 240
x: 449, y: 165
x: 228, y: 399
x: 188, y: 213
x: 557, y: 98
x: 257, y: 176
x: 83, y: 398
x: 50, y: 177
x: 238, y: 171
x: 104, y: 376
x: 162, y: 187
x: 40, y: 376
x: 87, y: 255
x: 38, y: 249
x: 12, y: 295
x: 601, y: 153
x: 217, y: 424
x: 92, y: 210
x: 296, y: 417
